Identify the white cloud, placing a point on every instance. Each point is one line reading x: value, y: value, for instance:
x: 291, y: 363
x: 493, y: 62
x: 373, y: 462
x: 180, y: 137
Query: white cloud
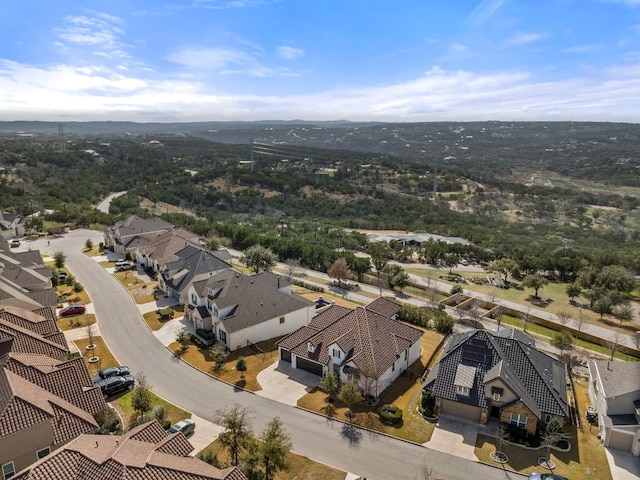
x: 485, y: 11
x: 289, y: 53
x: 524, y: 38
x: 100, y: 32
x: 96, y: 93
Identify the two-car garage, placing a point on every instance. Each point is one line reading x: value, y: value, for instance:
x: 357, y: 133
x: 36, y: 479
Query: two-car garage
x: 301, y: 363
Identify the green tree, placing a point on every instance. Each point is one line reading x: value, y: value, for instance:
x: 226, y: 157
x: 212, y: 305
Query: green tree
x: 504, y: 267
x: 443, y: 324
x: 562, y: 340
x: 573, y: 290
x: 141, y: 396
x: 536, y: 282
x: 88, y: 244
x: 184, y: 339
x: 339, y: 270
x: 451, y: 260
x: 379, y: 257
x: 457, y: 288
x: 219, y: 354
x: 259, y: 258
x: 400, y: 280
x: 329, y: 383
x: 349, y: 395
x: 275, y: 446
x: 34, y: 223
x: 77, y: 287
x: 236, y: 435
x: 59, y: 259
x: 623, y: 312
x: 241, y: 366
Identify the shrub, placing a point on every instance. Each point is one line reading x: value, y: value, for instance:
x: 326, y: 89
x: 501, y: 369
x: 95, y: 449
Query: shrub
x: 428, y: 403
x: 206, y: 334
x: 159, y: 413
x: 443, y: 324
x: 390, y: 414
x: 457, y: 288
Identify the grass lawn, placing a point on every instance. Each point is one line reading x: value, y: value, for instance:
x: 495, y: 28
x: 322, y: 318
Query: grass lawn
x: 585, y: 461
x: 106, y: 358
x: 256, y: 362
x: 94, y: 252
x: 156, y: 322
x: 172, y: 413
x: 66, y: 292
x: 403, y: 393
x: 302, y: 468
x: 76, y: 321
x: 142, y: 291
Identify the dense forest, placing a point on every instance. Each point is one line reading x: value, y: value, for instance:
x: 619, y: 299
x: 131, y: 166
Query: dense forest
x: 551, y: 195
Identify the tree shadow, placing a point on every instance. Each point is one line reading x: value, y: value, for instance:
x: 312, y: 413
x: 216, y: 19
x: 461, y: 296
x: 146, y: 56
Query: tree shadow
x: 351, y: 435
x: 539, y: 301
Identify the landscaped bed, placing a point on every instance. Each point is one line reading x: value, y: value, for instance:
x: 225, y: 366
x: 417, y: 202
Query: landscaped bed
x: 155, y: 321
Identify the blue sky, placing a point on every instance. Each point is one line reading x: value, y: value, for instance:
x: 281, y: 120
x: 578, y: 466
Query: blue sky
x: 381, y: 60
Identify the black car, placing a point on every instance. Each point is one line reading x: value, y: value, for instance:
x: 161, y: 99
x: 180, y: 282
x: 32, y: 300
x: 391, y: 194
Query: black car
x: 113, y: 385
x: 110, y: 372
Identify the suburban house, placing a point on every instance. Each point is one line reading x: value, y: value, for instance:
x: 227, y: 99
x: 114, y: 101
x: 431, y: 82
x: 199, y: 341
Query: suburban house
x: 162, y: 250
x: 11, y: 225
x: 481, y: 375
x: 192, y: 264
x: 46, y: 400
x: 366, y: 344
x: 243, y: 309
x: 614, y: 391
x: 127, y: 235
x: 146, y: 452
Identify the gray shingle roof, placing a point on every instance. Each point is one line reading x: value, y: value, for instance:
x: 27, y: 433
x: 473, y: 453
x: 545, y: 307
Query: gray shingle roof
x: 617, y: 377
x: 538, y: 379
x: 144, y: 453
x: 192, y: 261
x: 135, y: 225
x: 256, y: 297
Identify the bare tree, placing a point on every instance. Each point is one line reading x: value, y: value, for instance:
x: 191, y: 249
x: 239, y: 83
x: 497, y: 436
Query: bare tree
x: 613, y: 343
x: 293, y: 267
x: 526, y: 318
x: 89, y: 329
x: 553, y: 434
x: 636, y: 340
x: 580, y: 319
x: 564, y: 317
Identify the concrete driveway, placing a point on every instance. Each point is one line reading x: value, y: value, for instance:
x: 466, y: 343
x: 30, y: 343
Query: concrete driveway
x: 455, y: 436
x: 623, y: 465
x: 284, y: 384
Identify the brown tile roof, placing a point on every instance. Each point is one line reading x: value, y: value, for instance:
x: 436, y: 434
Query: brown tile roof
x: 140, y: 454
x: 26, y: 341
x: 370, y: 340
x: 163, y: 249
x: 31, y: 320
x: 68, y: 379
x: 27, y: 405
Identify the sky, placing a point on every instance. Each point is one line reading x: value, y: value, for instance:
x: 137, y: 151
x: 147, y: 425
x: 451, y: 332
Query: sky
x: 359, y: 60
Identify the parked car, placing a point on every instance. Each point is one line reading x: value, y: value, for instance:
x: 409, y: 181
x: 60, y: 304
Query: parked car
x: 72, y: 310
x: 546, y: 476
x: 185, y: 426
x: 111, y: 372
x: 113, y: 385
x: 15, y: 243
x: 62, y: 275
x: 120, y: 266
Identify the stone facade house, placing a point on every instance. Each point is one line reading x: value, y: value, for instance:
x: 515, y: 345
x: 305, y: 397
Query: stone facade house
x: 614, y: 391
x: 366, y: 344
x: 481, y: 375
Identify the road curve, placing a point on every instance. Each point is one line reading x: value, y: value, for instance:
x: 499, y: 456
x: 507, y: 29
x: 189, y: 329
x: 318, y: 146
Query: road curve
x: 372, y: 455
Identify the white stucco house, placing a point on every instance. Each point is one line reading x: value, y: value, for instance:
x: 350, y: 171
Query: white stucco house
x: 366, y: 344
x: 614, y: 391
x: 244, y: 309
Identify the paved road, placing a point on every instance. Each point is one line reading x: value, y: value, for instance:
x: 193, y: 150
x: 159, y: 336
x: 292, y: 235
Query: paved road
x: 350, y: 449
x: 103, y: 206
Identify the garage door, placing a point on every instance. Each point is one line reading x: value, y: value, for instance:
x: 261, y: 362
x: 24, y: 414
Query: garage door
x: 620, y: 440
x: 461, y: 410
x: 285, y: 355
x: 309, y: 366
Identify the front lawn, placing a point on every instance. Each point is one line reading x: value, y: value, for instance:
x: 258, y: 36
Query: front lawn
x: 404, y: 393
x: 155, y: 321
x: 256, y: 362
x: 142, y: 291
x: 76, y: 321
x: 106, y: 358
x: 172, y: 413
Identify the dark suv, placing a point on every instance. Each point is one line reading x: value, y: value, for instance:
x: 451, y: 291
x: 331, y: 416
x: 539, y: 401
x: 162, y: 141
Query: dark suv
x: 110, y: 372
x: 117, y: 384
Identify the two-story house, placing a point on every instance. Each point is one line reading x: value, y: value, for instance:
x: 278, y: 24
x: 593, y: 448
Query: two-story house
x: 162, y: 249
x: 127, y: 235
x: 243, y: 309
x: 614, y: 391
x: 481, y: 375
x: 366, y: 344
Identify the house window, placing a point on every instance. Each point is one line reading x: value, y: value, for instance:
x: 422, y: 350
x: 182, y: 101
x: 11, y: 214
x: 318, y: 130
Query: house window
x: 462, y: 390
x: 222, y: 335
x: 335, y: 353
x: 43, y: 453
x: 547, y: 418
x: 194, y: 298
x: 496, y: 397
x: 281, y: 319
x: 8, y: 470
x: 393, y: 367
x: 519, y: 420
x: 406, y: 354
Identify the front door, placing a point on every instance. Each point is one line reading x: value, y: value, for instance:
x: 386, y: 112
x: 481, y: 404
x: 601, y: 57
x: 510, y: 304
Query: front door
x: 495, y: 412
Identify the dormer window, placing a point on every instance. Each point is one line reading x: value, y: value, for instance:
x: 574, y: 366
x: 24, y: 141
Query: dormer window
x: 336, y: 353
x: 496, y: 397
x: 311, y: 347
x: 496, y: 393
x: 462, y: 390
x: 465, y: 377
